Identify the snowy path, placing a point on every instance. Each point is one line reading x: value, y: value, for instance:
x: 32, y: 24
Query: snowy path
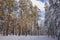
x: 26, y: 38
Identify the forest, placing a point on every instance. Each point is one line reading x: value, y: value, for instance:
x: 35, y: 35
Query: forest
x: 21, y: 18
x: 18, y: 18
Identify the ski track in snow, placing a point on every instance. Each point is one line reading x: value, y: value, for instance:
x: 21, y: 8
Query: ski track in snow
x: 26, y: 38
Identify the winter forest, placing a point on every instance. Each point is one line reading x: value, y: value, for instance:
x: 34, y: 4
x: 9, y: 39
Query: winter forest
x: 18, y: 23
x: 23, y: 17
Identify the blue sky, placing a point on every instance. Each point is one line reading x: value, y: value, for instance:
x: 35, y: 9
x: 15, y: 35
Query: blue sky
x: 42, y: 0
x: 39, y: 4
x: 42, y: 14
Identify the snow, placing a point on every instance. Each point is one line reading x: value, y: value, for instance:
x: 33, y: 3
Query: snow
x: 26, y: 38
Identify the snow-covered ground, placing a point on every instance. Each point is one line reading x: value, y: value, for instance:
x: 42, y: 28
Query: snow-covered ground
x: 26, y: 38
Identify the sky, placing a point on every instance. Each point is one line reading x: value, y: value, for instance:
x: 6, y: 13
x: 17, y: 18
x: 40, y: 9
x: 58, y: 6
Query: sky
x: 42, y: 0
x: 39, y: 4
